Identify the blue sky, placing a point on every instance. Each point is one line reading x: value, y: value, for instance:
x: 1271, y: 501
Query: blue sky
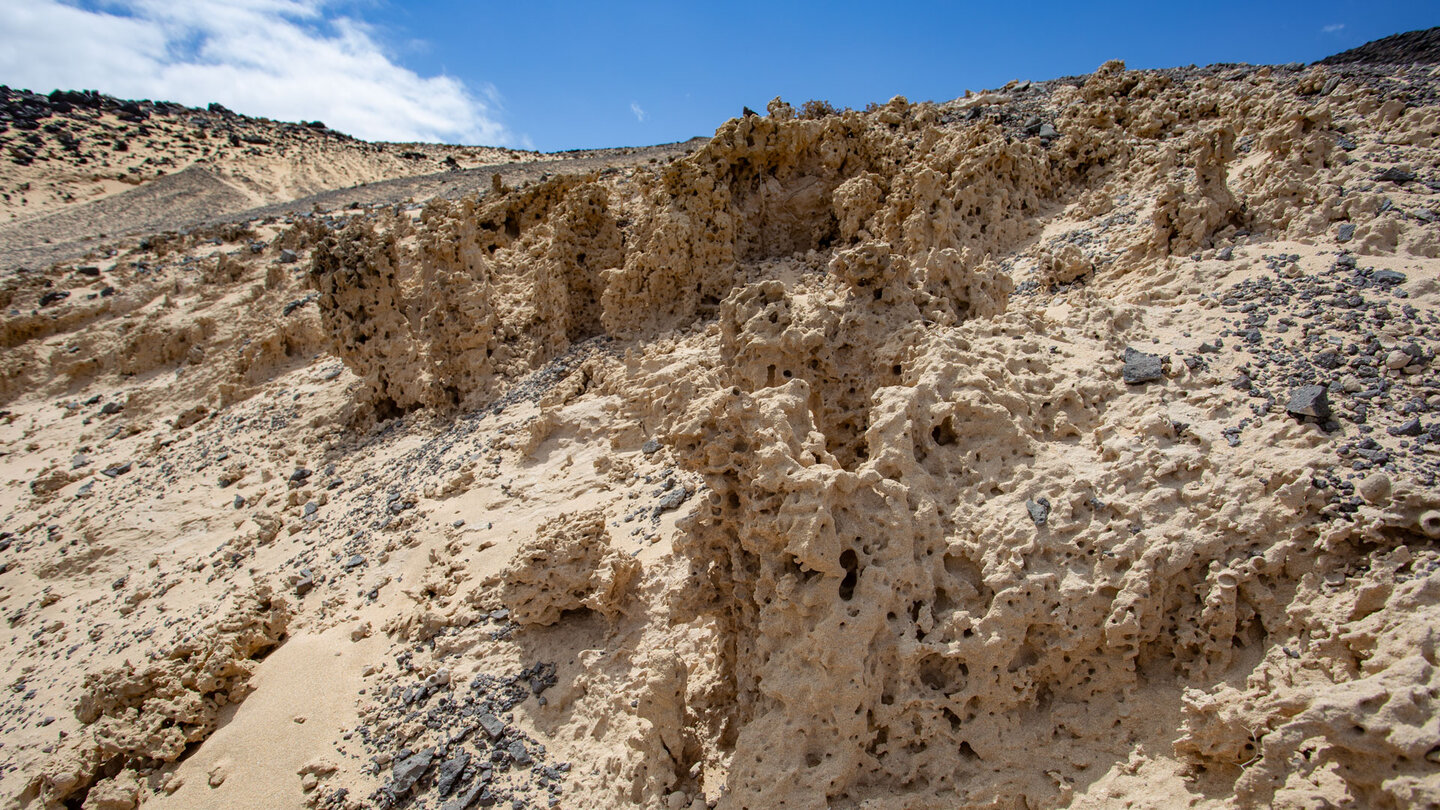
x: 568, y: 72
x: 563, y: 75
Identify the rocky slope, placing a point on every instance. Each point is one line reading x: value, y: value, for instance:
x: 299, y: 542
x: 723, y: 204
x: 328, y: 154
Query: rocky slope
x: 1068, y: 444
x: 71, y: 147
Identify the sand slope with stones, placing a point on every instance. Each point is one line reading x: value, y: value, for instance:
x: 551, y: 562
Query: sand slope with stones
x: 84, y: 175
x: 67, y: 148
x: 1071, y: 444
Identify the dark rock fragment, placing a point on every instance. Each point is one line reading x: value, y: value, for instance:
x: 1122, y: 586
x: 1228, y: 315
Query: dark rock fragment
x: 1410, y: 428
x: 1039, y: 510
x: 450, y: 772
x: 1311, y: 401
x: 493, y: 725
x: 1397, y: 175
x: 1141, y: 367
x: 408, y: 771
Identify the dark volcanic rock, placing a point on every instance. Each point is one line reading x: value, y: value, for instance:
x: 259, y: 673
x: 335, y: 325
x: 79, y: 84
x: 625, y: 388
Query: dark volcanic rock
x: 1311, y: 401
x: 450, y: 772
x: 1039, y: 510
x: 1141, y: 367
x: 1411, y: 47
x: 408, y: 771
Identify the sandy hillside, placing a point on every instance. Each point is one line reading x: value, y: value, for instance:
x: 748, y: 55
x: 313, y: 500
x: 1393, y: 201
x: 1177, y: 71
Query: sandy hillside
x: 73, y: 147
x: 1068, y: 444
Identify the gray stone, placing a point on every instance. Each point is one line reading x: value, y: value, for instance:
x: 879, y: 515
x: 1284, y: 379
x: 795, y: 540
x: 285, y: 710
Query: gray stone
x: 672, y: 500
x: 651, y: 447
x: 450, y: 772
x: 493, y: 725
x: 117, y: 469
x: 517, y: 752
x: 1039, y: 510
x: 1396, y: 175
x: 1346, y: 233
x: 1311, y: 401
x: 1410, y: 428
x: 111, y: 408
x: 1388, y: 277
x: 288, y: 256
x: 1141, y: 367
x: 239, y: 502
x: 408, y: 771
x: 477, y: 795
x: 1048, y: 132
x: 355, y: 561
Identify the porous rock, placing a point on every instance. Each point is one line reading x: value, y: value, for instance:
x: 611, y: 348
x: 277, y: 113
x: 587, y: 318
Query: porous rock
x: 567, y: 565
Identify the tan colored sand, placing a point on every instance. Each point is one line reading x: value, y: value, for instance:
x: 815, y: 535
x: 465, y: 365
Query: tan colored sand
x: 263, y: 161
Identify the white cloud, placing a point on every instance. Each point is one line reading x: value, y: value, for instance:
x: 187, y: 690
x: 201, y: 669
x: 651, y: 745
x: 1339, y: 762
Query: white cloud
x: 639, y: 113
x: 1333, y: 28
x: 282, y: 59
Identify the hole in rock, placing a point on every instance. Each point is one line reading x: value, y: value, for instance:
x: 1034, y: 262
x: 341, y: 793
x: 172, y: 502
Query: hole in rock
x: 952, y: 717
x: 944, y: 433
x: 1024, y: 657
x: 851, y: 564
x: 967, y: 752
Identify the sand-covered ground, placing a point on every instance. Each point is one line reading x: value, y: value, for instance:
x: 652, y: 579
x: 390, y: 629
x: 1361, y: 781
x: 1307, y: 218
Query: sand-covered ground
x: 1068, y: 444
